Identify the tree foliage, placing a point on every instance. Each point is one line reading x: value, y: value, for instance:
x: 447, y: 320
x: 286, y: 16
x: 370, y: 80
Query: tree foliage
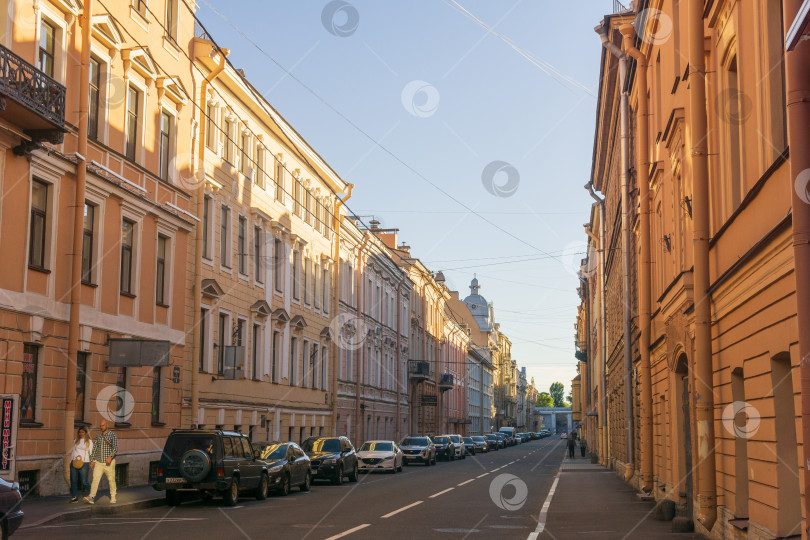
x: 557, y: 393
x: 544, y: 399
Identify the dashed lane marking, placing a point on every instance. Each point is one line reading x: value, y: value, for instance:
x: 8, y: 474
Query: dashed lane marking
x: 395, y: 512
x: 482, y: 475
x: 350, y: 531
x: 465, y: 482
x: 441, y: 493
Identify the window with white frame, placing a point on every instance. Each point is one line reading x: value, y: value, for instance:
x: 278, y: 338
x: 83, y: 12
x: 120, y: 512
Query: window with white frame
x: 278, y: 264
x: 241, y: 245
x: 225, y: 236
x: 206, y: 227
x: 307, y: 280
x: 260, y: 174
x: 127, y: 256
x: 165, y: 143
x: 258, y: 254
x: 38, y: 236
x: 296, y: 275
x: 134, y: 98
x: 162, y: 270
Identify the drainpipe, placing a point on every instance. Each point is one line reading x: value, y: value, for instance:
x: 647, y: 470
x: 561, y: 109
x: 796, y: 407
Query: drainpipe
x: 198, y: 241
x: 336, y: 223
x: 797, y: 93
x: 78, y: 226
x: 645, y: 262
x: 603, y: 443
x: 397, y: 433
x: 361, y: 297
x: 627, y: 311
x: 703, y: 373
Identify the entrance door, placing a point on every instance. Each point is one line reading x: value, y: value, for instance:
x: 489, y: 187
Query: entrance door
x: 683, y: 395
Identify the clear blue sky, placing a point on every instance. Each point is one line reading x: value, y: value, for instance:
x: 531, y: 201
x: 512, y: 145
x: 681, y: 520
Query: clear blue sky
x: 485, y: 102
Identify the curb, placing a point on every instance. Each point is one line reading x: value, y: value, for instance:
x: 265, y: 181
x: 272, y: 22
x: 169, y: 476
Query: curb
x: 85, y: 513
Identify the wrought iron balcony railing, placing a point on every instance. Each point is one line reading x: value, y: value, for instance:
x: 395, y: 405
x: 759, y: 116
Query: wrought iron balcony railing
x: 34, y: 90
x: 418, y: 369
x: 446, y: 381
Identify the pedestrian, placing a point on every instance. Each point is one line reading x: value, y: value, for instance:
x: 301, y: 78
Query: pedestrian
x: 582, y: 446
x: 80, y: 463
x: 571, y: 446
x: 102, y: 462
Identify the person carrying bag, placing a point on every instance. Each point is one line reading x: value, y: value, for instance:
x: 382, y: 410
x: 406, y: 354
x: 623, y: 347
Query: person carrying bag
x: 80, y: 463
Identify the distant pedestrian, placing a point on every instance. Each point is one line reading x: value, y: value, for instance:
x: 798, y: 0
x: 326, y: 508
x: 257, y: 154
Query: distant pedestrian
x: 571, y: 446
x: 80, y: 463
x: 582, y: 446
x: 102, y: 462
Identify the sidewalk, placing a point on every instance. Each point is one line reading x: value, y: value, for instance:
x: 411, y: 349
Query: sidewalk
x: 591, y: 501
x: 58, y: 508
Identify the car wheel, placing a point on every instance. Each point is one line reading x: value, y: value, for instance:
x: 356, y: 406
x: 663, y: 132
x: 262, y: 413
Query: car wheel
x: 338, y: 479
x: 307, y: 482
x: 172, y: 497
x: 261, y: 491
x: 231, y: 494
x: 353, y: 476
x: 284, y: 490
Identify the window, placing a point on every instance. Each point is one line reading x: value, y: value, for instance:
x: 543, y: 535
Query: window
x: 325, y: 288
x: 171, y: 19
x: 39, y: 213
x: 274, y: 356
x: 47, y: 47
x: 734, y: 120
x: 211, y: 128
x: 244, y: 154
x: 81, y: 385
x: 324, y: 367
x: 160, y: 275
x: 133, y: 97
x: 317, y: 286
x: 165, y: 144
x: 28, y: 392
x: 305, y: 367
x: 293, y: 360
x: 241, y: 245
x: 203, y: 338
x: 206, y: 223
x: 87, y: 243
x: 258, y: 269
x: 296, y: 270
x: 299, y: 189
x: 223, y: 332
x: 227, y: 154
x: 95, y: 85
x: 256, y: 339
x: 306, y: 280
x: 313, y: 366
x: 127, y: 237
x: 308, y: 209
x: 279, y: 181
x: 224, y: 236
x: 140, y: 6
x: 258, y: 176
x: 156, y: 395
x: 278, y: 266
x: 121, y: 397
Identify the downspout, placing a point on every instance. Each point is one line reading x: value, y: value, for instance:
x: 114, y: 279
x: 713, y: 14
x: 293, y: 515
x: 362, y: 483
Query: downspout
x: 336, y: 217
x: 397, y: 433
x: 604, y: 449
x: 627, y: 308
x: 797, y: 94
x: 703, y: 376
x: 361, y: 297
x: 74, y: 328
x: 198, y: 241
x: 645, y: 262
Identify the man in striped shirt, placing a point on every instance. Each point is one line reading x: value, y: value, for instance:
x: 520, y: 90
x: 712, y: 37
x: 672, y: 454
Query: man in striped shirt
x: 102, y: 462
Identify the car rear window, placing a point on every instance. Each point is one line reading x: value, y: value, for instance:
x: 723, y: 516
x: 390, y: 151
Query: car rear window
x: 177, y: 445
x: 377, y: 447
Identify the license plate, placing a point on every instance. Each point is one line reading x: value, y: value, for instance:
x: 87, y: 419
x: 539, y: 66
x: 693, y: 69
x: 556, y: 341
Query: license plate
x: 175, y: 480
x: 314, y: 472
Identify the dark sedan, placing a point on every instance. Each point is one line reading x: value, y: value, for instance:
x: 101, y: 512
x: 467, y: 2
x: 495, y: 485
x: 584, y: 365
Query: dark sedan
x: 287, y: 466
x: 480, y: 443
x: 444, y: 448
x: 331, y: 458
x: 10, y: 507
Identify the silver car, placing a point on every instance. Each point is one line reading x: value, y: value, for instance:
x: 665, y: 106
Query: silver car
x: 379, y: 456
x: 419, y: 449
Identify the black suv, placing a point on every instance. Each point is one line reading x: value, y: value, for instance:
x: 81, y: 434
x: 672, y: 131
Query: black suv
x: 287, y: 466
x: 331, y: 457
x: 444, y: 447
x: 210, y: 462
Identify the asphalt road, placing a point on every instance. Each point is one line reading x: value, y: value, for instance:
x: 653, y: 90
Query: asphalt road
x: 498, y: 494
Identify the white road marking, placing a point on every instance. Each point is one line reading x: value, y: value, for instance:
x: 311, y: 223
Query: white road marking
x: 350, y: 531
x: 395, y: 512
x: 466, y: 482
x: 440, y: 493
x: 482, y: 475
x: 541, y: 520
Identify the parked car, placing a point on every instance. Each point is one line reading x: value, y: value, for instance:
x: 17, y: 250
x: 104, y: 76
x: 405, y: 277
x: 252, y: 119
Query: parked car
x: 503, y: 439
x: 418, y: 449
x: 481, y: 444
x: 444, y: 447
x: 380, y: 456
x: 492, y: 441
x: 287, y: 466
x: 469, y: 445
x: 10, y: 508
x: 211, y: 462
x: 458, y: 444
x: 510, y: 434
x: 331, y: 458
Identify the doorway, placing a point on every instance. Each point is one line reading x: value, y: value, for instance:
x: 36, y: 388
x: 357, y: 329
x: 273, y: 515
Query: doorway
x: 684, y: 427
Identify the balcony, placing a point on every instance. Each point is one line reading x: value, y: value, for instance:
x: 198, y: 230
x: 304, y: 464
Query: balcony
x: 418, y: 371
x: 446, y: 382
x: 31, y: 100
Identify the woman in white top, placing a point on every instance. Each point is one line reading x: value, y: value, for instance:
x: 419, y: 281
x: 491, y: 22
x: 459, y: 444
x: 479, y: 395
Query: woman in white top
x: 82, y: 447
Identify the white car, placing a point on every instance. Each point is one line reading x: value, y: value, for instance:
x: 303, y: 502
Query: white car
x: 379, y: 456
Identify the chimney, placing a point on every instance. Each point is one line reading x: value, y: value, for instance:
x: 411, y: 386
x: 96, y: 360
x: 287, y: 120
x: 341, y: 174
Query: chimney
x: 439, y: 277
x: 374, y: 224
x: 405, y: 247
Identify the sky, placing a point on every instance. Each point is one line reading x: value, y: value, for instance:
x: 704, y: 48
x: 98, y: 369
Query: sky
x: 466, y: 124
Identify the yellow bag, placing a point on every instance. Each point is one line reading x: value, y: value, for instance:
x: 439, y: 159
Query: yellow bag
x: 77, y: 463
